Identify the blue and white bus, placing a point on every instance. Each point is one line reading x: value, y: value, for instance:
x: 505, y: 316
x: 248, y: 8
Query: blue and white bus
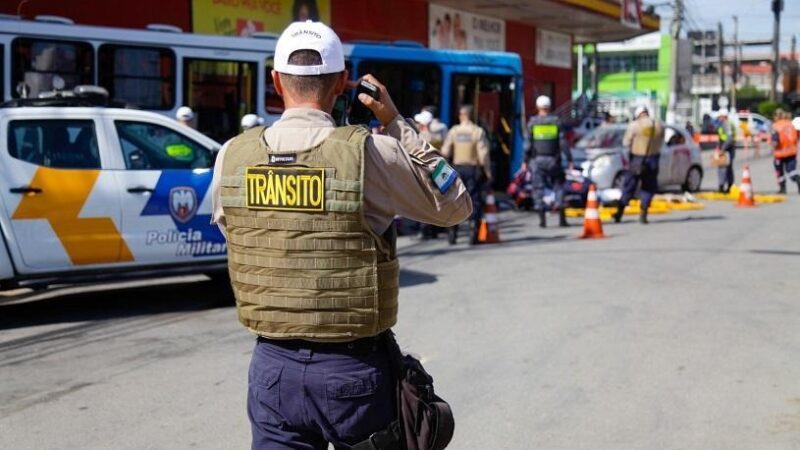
x: 223, y: 78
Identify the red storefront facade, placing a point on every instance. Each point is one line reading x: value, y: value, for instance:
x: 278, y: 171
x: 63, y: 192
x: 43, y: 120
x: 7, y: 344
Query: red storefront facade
x: 385, y: 20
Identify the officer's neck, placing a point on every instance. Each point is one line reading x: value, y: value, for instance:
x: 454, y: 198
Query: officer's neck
x: 326, y: 107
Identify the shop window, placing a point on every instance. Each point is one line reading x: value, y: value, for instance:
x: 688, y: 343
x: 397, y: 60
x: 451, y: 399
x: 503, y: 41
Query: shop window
x: 37, y: 63
x: 147, y: 146
x: 220, y: 92
x: 142, y: 76
x: 61, y: 144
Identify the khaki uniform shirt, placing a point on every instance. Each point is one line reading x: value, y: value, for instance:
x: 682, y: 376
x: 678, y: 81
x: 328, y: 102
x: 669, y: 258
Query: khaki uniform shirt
x: 644, y: 136
x: 397, y: 171
x: 478, y: 136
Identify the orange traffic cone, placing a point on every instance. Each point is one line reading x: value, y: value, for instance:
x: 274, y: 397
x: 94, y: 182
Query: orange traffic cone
x: 746, y: 199
x: 489, y: 231
x: 592, y: 226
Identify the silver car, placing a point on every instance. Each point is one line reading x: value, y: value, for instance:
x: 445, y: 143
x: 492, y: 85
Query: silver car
x: 604, y: 160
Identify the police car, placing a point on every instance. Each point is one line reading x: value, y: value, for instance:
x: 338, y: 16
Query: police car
x: 90, y: 189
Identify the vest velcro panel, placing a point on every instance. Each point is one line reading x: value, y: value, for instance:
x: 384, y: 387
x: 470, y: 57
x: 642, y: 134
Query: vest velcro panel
x: 321, y: 275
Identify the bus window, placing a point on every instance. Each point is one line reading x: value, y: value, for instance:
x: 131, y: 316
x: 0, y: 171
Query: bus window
x: 273, y: 103
x: 492, y: 98
x: 220, y: 93
x: 142, y: 76
x: 412, y: 85
x: 37, y: 62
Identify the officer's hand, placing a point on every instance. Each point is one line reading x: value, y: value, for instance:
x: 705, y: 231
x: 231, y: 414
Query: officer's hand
x: 384, y: 109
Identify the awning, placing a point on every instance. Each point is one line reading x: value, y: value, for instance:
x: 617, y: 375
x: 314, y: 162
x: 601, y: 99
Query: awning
x: 587, y: 21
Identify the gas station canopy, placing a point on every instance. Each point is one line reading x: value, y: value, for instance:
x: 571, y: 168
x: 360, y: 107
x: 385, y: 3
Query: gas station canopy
x: 588, y: 21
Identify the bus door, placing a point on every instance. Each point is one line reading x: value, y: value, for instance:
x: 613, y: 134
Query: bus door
x: 413, y: 86
x: 492, y: 99
x: 220, y: 92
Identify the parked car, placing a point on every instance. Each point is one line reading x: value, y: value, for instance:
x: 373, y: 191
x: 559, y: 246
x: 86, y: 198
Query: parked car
x: 91, y: 192
x: 603, y: 159
x: 756, y: 125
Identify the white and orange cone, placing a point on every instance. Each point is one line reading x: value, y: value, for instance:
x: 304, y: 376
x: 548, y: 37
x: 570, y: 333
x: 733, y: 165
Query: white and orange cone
x: 489, y: 230
x: 746, y: 199
x: 592, y: 225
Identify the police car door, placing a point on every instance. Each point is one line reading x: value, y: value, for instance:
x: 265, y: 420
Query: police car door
x: 164, y: 177
x: 62, y: 210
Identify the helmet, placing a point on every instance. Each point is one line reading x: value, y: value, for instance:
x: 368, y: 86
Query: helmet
x: 184, y: 113
x: 250, y: 121
x: 641, y: 109
x: 543, y: 101
x: 722, y: 112
x: 796, y: 123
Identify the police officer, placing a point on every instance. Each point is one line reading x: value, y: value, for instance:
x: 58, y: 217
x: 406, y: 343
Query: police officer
x: 784, y: 139
x: 251, y: 120
x: 544, y: 153
x: 727, y: 142
x: 466, y: 145
x: 184, y: 115
x: 307, y: 209
x: 644, y: 138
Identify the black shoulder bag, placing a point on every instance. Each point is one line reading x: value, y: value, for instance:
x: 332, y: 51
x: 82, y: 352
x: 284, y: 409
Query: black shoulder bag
x: 425, y: 421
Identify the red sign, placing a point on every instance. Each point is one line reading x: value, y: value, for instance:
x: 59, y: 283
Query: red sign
x: 631, y: 13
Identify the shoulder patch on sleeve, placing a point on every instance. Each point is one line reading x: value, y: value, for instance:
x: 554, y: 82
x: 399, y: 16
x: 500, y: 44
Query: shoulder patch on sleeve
x: 443, y: 176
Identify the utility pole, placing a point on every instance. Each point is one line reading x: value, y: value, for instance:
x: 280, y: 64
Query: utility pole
x: 677, y: 20
x: 721, y: 53
x: 777, y: 7
x: 736, y: 62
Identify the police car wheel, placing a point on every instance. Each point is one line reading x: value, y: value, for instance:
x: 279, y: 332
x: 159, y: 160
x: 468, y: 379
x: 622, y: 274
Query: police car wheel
x: 694, y: 179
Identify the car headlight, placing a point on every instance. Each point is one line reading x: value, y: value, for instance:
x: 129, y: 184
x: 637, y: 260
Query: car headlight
x: 601, y: 162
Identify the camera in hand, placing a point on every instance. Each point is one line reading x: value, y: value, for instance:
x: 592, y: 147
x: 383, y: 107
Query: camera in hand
x: 360, y: 114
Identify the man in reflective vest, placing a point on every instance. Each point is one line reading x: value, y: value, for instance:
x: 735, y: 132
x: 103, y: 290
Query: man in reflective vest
x: 784, y: 141
x: 308, y: 209
x: 644, y: 138
x: 466, y: 145
x: 544, y: 150
x: 727, y: 142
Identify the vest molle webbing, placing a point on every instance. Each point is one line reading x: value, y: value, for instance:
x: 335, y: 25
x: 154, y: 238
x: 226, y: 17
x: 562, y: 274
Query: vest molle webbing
x: 303, y: 261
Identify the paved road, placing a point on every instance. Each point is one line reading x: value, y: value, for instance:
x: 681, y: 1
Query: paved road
x: 679, y: 335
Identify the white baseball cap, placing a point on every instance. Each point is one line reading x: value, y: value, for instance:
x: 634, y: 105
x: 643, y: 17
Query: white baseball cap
x: 184, y: 113
x: 309, y: 35
x: 543, y: 101
x: 722, y: 112
x: 639, y: 110
x: 424, y: 118
x: 251, y: 120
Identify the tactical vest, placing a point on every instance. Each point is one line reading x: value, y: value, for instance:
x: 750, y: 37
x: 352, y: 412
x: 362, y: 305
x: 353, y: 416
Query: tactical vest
x: 545, y: 132
x: 785, y: 138
x: 303, y: 261
x: 465, y: 148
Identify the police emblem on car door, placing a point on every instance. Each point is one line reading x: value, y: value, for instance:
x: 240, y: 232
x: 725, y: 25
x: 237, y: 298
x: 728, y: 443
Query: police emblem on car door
x: 182, y: 203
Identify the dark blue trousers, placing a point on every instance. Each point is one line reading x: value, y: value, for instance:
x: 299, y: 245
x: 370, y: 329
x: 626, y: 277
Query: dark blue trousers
x: 725, y: 175
x: 643, y: 169
x: 547, y: 173
x: 303, y: 395
x: 473, y: 179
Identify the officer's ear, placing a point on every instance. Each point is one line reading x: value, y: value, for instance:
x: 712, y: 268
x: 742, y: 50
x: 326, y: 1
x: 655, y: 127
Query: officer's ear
x: 276, y: 81
x: 341, y: 84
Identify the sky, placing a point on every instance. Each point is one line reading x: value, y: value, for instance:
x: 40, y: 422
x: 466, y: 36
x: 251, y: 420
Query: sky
x: 755, y: 18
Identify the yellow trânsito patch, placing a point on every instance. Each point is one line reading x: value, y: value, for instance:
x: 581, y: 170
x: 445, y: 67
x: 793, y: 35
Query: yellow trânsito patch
x: 285, y: 188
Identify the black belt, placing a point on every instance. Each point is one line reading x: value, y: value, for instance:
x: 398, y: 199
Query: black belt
x: 364, y: 345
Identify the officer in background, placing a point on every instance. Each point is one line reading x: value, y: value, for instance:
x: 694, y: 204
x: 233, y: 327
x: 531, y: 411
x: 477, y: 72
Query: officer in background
x: 307, y: 209
x: 727, y: 142
x: 250, y: 121
x: 644, y: 138
x: 544, y: 153
x: 184, y: 115
x: 784, y: 139
x: 467, y: 147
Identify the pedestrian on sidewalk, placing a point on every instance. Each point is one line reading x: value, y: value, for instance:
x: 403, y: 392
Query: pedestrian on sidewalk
x: 644, y: 138
x: 307, y: 209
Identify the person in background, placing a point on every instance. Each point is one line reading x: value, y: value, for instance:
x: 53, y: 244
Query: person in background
x: 608, y: 120
x: 184, y: 115
x: 643, y: 138
x: 437, y: 128
x: 466, y: 146
x: 727, y: 142
x: 544, y: 150
x: 250, y: 121
x: 784, y: 141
